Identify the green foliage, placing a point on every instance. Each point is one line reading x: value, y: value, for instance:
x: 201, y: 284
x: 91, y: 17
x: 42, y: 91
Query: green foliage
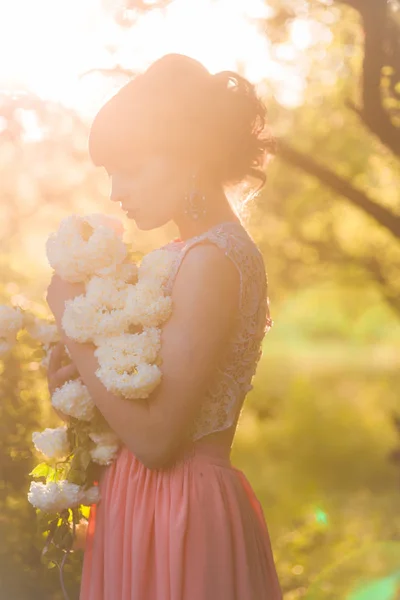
x: 314, y: 440
x: 316, y: 433
x: 23, y: 397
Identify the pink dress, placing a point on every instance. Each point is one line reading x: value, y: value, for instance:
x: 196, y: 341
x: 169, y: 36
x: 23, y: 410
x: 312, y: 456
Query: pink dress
x: 194, y: 530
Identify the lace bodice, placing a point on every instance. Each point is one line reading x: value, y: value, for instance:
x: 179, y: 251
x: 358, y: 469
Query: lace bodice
x: 224, y: 398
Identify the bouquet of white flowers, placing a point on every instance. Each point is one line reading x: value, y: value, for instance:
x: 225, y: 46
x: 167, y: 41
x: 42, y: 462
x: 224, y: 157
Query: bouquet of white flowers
x: 120, y: 312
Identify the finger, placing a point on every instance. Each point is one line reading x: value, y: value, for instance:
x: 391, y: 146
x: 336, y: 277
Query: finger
x: 56, y: 354
x: 67, y: 372
x: 62, y: 375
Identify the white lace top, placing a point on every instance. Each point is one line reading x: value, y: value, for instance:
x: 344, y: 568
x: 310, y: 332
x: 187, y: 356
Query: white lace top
x: 224, y: 398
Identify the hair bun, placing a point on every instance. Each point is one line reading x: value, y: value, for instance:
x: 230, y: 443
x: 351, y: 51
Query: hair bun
x: 178, y: 107
x: 240, y: 126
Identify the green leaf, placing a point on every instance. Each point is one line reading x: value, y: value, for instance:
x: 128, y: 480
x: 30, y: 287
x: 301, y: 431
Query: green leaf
x: 51, y: 557
x: 52, y: 475
x: 67, y: 540
x: 85, y: 510
x: 59, y: 534
x: 45, y: 520
x: 76, y: 476
x: 85, y: 459
x: 41, y: 470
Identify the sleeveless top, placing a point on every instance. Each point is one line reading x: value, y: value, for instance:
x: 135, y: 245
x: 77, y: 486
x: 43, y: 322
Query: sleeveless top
x: 223, y: 401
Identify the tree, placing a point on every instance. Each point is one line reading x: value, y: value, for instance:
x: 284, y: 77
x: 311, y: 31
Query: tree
x: 380, y: 103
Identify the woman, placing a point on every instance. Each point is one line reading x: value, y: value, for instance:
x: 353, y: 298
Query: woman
x: 176, y: 520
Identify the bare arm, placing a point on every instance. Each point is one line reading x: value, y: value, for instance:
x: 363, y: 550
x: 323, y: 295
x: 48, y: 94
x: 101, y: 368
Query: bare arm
x: 205, y: 298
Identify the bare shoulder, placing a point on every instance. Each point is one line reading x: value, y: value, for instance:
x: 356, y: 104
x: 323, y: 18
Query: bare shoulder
x: 207, y: 273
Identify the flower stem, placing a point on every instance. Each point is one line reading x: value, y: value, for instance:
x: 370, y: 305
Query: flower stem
x: 61, y: 567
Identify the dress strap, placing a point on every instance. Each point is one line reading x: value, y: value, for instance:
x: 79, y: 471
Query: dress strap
x: 239, y: 247
x: 218, y: 235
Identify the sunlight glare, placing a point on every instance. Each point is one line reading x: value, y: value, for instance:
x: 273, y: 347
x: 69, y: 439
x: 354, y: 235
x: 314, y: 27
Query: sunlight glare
x: 50, y: 44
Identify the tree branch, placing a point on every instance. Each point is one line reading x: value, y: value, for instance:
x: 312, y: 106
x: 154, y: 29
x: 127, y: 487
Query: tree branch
x: 341, y: 186
x: 378, y: 40
x: 332, y: 253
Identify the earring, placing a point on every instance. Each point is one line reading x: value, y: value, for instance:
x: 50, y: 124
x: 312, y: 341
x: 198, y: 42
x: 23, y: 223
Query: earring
x: 195, y: 202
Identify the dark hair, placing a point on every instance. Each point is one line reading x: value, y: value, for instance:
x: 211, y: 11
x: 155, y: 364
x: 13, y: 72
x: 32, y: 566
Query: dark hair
x: 178, y: 106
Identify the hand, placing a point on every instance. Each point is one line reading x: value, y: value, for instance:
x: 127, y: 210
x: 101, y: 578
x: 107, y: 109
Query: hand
x: 57, y: 374
x: 58, y: 292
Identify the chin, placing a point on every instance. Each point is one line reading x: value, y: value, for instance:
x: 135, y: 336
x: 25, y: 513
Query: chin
x: 144, y: 226
x: 149, y: 224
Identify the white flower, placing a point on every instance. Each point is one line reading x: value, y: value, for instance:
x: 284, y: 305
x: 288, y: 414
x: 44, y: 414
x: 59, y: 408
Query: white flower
x: 126, y: 272
x: 90, y: 496
x: 46, y: 358
x: 84, y: 321
x: 53, y: 443
x: 110, y: 292
x: 146, y: 305
x: 156, y: 266
x: 73, y: 399
x: 79, y: 319
x: 107, y: 446
x: 104, y: 455
x: 43, y: 331
x: 137, y: 384
x: 55, y: 496
x: 84, y: 246
x: 11, y: 321
x: 123, y: 351
x: 47, y: 354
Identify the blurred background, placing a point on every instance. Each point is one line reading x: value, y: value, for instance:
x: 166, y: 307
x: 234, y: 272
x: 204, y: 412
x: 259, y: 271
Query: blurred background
x: 319, y: 437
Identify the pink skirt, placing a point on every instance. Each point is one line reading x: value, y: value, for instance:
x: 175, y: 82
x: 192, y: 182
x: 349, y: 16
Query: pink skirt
x: 194, y: 531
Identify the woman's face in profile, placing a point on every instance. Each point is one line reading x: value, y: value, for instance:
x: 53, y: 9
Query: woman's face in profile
x: 152, y: 191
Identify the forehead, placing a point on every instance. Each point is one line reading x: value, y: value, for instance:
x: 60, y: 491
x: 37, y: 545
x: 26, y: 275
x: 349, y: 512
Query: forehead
x: 128, y: 164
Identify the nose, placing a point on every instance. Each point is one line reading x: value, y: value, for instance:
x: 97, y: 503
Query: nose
x: 116, y: 190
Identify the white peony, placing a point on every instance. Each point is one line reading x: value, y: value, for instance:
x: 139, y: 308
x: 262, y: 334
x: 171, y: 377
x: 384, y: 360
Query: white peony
x: 46, y: 358
x: 90, y: 496
x: 84, y: 321
x: 84, y: 246
x: 110, y: 293
x: 11, y: 321
x: 123, y: 351
x: 80, y: 320
x: 157, y: 266
x: 104, y: 455
x: 126, y: 272
x: 53, y: 443
x: 139, y: 383
x: 55, y: 496
x: 146, y: 304
x: 73, y: 399
x: 43, y: 331
x: 107, y: 446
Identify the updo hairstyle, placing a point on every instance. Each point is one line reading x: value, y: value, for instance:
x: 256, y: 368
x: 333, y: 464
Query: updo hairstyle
x: 178, y: 107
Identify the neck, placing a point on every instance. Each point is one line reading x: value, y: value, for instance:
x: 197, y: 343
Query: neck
x: 218, y: 210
